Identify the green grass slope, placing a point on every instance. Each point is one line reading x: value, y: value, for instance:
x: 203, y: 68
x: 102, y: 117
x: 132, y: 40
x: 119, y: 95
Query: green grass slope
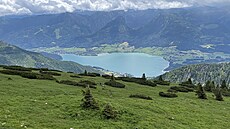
x: 12, y: 55
x: 46, y: 104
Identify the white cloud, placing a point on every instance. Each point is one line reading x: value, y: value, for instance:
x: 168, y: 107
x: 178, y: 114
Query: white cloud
x: 57, y: 6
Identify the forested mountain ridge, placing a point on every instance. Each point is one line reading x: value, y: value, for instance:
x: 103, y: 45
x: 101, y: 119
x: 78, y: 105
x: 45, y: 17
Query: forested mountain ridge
x: 200, y: 73
x: 12, y: 55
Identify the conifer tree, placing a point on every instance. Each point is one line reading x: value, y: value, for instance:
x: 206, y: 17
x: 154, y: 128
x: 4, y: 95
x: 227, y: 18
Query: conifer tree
x: 207, y: 86
x: 189, y: 81
x: 88, y: 100
x: 200, y: 92
x: 143, y: 76
x: 109, y: 112
x: 218, y: 94
x: 161, y: 78
x: 112, y: 78
x: 212, y: 85
x: 86, y: 73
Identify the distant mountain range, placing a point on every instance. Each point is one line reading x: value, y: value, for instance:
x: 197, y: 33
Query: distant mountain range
x: 200, y: 73
x: 201, y: 28
x: 12, y: 55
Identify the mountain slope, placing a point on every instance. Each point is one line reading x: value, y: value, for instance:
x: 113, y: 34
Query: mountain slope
x: 46, y: 104
x: 200, y: 73
x: 115, y: 31
x: 202, y: 28
x: 12, y: 55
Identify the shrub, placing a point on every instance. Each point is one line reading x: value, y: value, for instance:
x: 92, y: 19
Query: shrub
x: 46, y: 69
x: 168, y: 95
x: 171, y: 90
x: 166, y: 83
x: 80, y: 84
x: 109, y: 112
x: 90, y: 74
x: 88, y: 100
x: 200, y: 92
x: 218, y: 94
x: 75, y: 76
x: 138, y: 81
x: 188, y: 83
x: 68, y: 82
x: 208, y: 86
x: 106, y: 76
x: 181, y: 89
x: 115, y: 84
x: 226, y: 93
x: 140, y: 96
x: 18, y: 68
x: 27, y: 74
x: 88, y: 82
x: 50, y: 73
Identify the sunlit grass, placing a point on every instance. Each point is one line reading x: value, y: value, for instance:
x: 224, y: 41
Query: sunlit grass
x: 39, y: 104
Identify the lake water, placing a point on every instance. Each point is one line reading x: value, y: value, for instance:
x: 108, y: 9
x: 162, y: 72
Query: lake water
x: 133, y: 63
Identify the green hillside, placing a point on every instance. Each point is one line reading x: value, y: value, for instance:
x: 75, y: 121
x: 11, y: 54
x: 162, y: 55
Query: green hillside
x: 46, y: 104
x: 12, y: 55
x: 200, y: 73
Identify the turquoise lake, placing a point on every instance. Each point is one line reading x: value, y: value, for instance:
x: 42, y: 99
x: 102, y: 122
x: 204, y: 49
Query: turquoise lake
x: 133, y: 63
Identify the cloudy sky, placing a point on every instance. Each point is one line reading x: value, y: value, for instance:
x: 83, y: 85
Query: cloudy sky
x: 8, y: 7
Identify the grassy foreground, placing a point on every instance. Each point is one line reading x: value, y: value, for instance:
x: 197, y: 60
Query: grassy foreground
x: 45, y: 104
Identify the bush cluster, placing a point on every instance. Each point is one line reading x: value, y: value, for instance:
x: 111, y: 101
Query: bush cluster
x: 88, y: 82
x: 50, y: 73
x: 137, y: 80
x: 46, y: 69
x: 161, y: 81
x: 166, y: 83
x: 226, y: 93
x: 115, y: 84
x: 27, y: 74
x: 181, y: 89
x: 188, y: 84
x: 106, y: 76
x: 168, y: 95
x: 80, y: 84
x: 141, y: 96
x: 90, y: 74
x: 75, y: 76
x: 18, y: 68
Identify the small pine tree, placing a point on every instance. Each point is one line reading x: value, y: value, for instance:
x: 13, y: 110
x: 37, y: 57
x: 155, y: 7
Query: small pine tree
x: 88, y: 100
x: 143, y: 76
x: 207, y: 86
x: 189, y: 81
x: 161, y: 78
x: 200, y: 92
x: 224, y: 85
x: 109, y: 112
x: 85, y: 73
x: 218, y: 94
x: 112, y: 78
x: 212, y: 85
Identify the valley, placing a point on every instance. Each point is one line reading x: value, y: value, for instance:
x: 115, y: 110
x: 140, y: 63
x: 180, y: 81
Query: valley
x: 176, y: 57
